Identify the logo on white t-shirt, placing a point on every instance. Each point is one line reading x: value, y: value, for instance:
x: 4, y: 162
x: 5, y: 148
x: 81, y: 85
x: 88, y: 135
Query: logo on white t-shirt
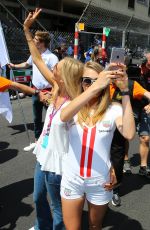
x: 106, y: 124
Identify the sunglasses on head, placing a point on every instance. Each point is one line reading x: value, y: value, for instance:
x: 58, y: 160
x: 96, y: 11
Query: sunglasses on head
x: 88, y: 80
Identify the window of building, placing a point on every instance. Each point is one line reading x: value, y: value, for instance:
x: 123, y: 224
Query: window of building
x: 144, y: 2
x: 131, y: 4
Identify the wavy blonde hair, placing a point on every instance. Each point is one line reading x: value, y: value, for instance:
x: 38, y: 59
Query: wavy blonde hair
x: 103, y: 99
x: 71, y: 74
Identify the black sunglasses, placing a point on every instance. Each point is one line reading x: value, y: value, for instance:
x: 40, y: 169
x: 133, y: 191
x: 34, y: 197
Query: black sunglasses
x: 88, y: 80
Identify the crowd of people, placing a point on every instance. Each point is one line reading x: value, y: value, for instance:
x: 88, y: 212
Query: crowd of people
x: 82, y: 149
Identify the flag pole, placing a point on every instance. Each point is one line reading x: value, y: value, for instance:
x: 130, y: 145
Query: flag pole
x: 19, y: 102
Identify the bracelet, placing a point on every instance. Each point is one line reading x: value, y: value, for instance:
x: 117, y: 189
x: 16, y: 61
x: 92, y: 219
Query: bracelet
x: 36, y: 92
x: 124, y: 93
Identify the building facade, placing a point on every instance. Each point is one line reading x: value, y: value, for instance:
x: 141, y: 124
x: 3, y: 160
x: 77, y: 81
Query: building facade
x: 62, y: 14
x: 56, y: 14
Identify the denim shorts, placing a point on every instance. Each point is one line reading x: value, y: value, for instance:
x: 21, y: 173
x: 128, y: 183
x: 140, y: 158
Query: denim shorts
x: 76, y: 187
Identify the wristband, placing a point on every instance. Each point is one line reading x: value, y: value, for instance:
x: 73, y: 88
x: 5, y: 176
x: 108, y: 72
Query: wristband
x: 124, y: 93
x: 36, y: 92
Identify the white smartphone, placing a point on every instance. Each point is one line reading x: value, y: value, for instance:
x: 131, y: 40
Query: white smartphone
x: 117, y: 55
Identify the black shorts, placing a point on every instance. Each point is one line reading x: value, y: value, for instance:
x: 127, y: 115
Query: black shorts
x: 117, y: 154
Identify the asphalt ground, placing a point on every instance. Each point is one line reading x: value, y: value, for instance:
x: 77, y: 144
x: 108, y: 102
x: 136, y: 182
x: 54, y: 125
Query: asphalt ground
x: 16, y: 181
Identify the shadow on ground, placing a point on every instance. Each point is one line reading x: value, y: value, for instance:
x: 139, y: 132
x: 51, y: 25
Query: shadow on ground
x: 132, y: 182
x: 114, y: 221
x: 119, y: 221
x: 7, y: 154
x: 11, y: 197
x: 3, y: 145
x: 21, y: 128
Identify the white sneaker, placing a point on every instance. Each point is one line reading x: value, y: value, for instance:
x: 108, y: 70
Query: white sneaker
x: 32, y: 228
x: 30, y: 147
x: 13, y: 97
x: 21, y: 95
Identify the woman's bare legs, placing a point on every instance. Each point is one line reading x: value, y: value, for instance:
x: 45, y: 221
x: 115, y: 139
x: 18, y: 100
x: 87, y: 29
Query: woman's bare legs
x: 96, y: 215
x: 72, y: 212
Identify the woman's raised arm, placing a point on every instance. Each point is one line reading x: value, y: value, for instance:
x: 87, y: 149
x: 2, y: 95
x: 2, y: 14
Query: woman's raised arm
x: 36, y: 57
x: 126, y: 123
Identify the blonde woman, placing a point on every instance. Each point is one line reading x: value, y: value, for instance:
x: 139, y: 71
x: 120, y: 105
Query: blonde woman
x: 92, y: 119
x: 51, y: 147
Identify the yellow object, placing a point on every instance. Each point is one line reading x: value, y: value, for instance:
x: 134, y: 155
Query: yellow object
x: 81, y: 26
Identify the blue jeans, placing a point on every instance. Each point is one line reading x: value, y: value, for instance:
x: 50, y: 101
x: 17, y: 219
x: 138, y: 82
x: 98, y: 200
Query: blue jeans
x: 47, y: 182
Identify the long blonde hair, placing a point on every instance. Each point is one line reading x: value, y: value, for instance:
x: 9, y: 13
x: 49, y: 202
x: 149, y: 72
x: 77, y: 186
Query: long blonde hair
x: 103, y: 99
x: 71, y: 73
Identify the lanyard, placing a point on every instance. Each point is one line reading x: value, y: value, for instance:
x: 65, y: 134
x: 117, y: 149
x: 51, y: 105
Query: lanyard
x: 51, y: 116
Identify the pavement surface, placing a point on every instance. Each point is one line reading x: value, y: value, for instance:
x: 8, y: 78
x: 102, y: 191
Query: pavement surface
x: 16, y: 181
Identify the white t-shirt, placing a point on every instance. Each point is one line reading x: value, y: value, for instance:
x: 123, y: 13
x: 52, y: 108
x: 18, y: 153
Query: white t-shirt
x: 51, y: 150
x: 37, y: 79
x: 89, y: 147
